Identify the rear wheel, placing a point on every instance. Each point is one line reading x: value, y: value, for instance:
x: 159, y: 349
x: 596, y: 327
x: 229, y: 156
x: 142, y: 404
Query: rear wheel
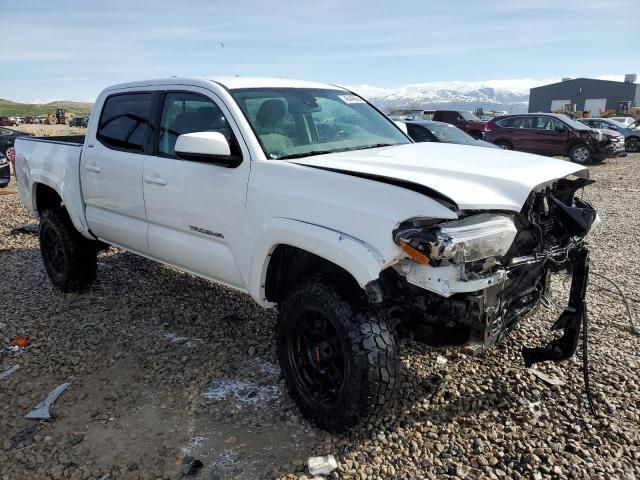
x: 69, y: 259
x: 632, y: 144
x: 339, y: 357
x: 581, y: 153
x: 504, y: 145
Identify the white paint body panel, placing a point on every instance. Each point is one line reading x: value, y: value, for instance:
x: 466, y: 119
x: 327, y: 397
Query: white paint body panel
x: 488, y: 179
x: 241, y: 214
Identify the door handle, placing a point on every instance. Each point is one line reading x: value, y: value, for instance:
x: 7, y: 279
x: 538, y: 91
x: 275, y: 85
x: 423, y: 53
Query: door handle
x: 92, y: 168
x: 155, y: 181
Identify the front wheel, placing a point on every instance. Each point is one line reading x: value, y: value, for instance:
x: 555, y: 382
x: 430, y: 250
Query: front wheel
x: 632, y: 144
x: 581, y: 153
x: 503, y: 144
x: 339, y: 356
x: 69, y: 259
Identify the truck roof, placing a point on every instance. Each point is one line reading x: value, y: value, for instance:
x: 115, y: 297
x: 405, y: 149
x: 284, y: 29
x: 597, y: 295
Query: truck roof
x: 230, y: 82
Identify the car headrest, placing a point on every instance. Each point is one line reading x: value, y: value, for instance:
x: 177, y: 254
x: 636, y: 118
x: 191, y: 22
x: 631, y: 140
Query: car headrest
x: 271, y: 112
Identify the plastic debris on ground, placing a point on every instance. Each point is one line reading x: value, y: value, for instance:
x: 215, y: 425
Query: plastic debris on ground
x: 440, y: 360
x: 535, y: 408
x: 321, y: 465
x: 21, y: 341
x: 244, y: 392
x: 42, y: 410
x: 8, y: 371
x: 548, y: 379
x: 30, y: 228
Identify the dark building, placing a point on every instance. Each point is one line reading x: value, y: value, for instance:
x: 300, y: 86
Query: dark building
x: 586, y: 94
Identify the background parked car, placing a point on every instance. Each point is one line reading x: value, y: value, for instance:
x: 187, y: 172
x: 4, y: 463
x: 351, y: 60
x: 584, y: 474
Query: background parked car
x: 8, y: 138
x: 465, y: 121
x: 631, y: 136
x: 431, y: 131
x: 626, y: 121
x: 7, y: 122
x: 79, y: 122
x: 5, y: 173
x: 553, y: 134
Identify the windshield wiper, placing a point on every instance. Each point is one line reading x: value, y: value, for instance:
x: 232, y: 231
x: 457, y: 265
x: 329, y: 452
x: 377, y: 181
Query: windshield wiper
x: 338, y: 150
x: 307, y: 154
x: 376, y: 145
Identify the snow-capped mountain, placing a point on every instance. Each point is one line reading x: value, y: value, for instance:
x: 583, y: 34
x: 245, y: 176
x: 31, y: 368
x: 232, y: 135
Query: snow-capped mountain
x: 497, y: 95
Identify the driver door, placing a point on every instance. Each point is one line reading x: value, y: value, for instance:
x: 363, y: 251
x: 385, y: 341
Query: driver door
x: 551, y: 135
x: 195, y: 209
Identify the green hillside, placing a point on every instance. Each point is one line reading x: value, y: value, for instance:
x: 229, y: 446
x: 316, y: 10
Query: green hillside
x: 15, y: 109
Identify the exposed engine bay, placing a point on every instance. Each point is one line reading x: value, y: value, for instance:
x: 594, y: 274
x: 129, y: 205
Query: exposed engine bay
x: 469, y: 281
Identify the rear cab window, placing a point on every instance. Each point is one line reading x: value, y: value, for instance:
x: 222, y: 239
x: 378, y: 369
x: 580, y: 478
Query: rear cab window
x: 125, y: 122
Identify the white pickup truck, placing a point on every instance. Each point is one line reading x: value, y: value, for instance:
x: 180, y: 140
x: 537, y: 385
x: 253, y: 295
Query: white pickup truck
x: 311, y: 200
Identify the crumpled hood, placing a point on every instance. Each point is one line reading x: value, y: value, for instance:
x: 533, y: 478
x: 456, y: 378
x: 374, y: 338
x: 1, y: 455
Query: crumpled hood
x: 472, y: 177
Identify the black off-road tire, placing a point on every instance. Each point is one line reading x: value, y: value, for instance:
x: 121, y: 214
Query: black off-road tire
x: 69, y: 258
x: 369, y: 349
x: 581, y: 153
x: 503, y: 144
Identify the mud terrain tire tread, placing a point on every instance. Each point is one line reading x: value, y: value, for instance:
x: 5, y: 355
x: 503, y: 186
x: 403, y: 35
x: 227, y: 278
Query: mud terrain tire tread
x: 369, y: 342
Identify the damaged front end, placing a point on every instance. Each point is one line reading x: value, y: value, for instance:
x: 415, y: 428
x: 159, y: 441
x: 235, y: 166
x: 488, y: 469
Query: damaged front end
x: 469, y: 281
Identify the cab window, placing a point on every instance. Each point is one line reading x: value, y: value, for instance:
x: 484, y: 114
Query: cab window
x: 124, y: 122
x: 184, y: 112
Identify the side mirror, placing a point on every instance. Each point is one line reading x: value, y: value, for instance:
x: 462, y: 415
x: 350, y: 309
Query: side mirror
x: 210, y: 147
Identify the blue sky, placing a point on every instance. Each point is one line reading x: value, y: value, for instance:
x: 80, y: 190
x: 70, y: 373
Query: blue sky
x: 71, y: 50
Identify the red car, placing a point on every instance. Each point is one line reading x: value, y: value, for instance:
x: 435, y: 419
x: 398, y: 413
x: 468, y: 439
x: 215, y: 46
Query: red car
x: 547, y: 134
x: 465, y: 121
x: 7, y: 122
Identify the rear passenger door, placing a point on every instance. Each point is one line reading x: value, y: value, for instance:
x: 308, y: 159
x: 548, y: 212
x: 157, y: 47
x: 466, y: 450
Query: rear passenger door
x: 111, y: 170
x: 195, y: 209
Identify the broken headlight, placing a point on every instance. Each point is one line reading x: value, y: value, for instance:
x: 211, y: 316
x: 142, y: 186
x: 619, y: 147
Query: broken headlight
x: 467, y: 240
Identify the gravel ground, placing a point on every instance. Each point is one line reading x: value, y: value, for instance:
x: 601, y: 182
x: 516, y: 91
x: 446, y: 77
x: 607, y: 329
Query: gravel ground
x: 166, y: 368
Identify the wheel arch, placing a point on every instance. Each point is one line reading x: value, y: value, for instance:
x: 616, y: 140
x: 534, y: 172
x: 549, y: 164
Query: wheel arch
x: 291, y: 248
x: 503, y: 140
x: 45, y: 196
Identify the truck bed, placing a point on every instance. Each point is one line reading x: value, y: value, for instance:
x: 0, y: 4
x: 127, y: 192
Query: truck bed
x: 53, y: 162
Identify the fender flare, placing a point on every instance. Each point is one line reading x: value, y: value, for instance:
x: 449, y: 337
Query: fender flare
x: 363, y: 262
x: 77, y: 219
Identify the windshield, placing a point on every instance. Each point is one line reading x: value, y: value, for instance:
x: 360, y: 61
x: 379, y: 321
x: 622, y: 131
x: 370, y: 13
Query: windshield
x: 616, y: 123
x: 469, y: 116
x: 450, y: 134
x: 299, y: 122
x: 573, y: 123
